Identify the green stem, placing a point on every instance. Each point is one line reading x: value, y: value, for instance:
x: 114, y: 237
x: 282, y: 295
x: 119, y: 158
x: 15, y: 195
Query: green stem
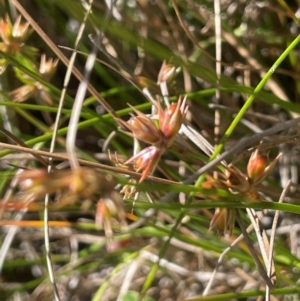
x: 249, y: 102
x: 251, y: 98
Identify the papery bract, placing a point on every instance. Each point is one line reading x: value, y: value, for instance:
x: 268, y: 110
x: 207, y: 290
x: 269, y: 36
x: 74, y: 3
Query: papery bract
x: 236, y: 180
x: 47, y: 68
x: 166, y: 73
x: 223, y: 219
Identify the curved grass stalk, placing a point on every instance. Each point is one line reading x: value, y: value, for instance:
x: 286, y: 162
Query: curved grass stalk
x: 251, y: 98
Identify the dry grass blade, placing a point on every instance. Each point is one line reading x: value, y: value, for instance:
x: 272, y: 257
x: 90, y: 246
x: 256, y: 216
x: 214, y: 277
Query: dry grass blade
x: 76, y: 110
x: 218, y: 34
x: 259, y: 266
x: 261, y: 236
x: 271, y: 267
x: 64, y: 157
x: 21, y: 143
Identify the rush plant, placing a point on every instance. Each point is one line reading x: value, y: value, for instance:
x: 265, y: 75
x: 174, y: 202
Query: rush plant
x: 133, y: 150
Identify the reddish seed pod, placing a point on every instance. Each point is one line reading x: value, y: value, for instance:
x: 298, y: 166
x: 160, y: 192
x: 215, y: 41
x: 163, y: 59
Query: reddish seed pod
x: 259, y: 167
x: 170, y: 120
x: 256, y: 165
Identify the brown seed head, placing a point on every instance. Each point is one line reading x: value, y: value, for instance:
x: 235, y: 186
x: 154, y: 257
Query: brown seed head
x: 144, y: 129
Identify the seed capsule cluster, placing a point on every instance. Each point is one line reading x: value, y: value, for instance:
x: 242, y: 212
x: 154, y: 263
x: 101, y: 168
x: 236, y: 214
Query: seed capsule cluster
x: 159, y: 137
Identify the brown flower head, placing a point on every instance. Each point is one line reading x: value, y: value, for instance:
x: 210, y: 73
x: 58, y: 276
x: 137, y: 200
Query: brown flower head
x: 143, y: 128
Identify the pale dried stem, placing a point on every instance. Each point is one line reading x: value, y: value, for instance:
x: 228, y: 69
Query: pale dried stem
x: 260, y: 234
x: 218, y: 29
x: 199, y: 275
x: 259, y: 266
x: 81, y: 92
x: 64, y: 157
x: 21, y: 143
x: 128, y: 278
x: 271, y: 267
